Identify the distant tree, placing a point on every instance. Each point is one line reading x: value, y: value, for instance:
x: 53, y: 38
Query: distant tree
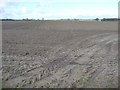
x: 97, y: 19
x: 68, y: 19
x: 76, y: 19
x: 7, y: 19
x: 27, y: 19
x: 42, y: 18
x: 110, y: 19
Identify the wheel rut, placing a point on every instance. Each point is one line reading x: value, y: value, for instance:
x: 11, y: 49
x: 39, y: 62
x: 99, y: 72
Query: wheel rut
x: 84, y: 61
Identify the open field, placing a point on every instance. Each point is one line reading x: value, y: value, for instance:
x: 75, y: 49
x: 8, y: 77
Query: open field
x: 60, y: 54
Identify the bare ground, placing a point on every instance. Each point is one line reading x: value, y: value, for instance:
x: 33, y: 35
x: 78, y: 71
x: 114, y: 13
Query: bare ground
x: 60, y: 54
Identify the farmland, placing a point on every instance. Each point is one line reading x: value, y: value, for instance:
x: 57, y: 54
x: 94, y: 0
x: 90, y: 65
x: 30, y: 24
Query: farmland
x: 60, y: 54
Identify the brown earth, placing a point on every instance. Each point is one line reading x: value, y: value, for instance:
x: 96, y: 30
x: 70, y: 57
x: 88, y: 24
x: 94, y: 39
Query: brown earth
x: 60, y: 54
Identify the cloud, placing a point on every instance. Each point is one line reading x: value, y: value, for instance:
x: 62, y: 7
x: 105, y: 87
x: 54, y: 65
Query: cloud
x: 23, y: 8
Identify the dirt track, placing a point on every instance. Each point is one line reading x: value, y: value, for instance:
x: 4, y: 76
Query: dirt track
x: 60, y: 54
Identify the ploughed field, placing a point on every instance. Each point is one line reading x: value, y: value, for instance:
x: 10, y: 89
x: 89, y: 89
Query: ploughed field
x: 59, y: 54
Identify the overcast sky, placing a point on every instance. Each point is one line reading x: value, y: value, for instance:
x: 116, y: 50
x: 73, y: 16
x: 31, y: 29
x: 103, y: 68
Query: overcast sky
x: 58, y: 9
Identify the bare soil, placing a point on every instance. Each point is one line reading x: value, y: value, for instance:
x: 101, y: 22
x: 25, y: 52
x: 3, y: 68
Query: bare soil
x: 60, y: 54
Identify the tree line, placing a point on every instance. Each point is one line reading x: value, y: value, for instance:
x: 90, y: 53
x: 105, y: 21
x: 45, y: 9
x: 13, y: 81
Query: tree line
x: 97, y: 19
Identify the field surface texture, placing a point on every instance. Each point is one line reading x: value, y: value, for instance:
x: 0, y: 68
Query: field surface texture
x: 60, y: 54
